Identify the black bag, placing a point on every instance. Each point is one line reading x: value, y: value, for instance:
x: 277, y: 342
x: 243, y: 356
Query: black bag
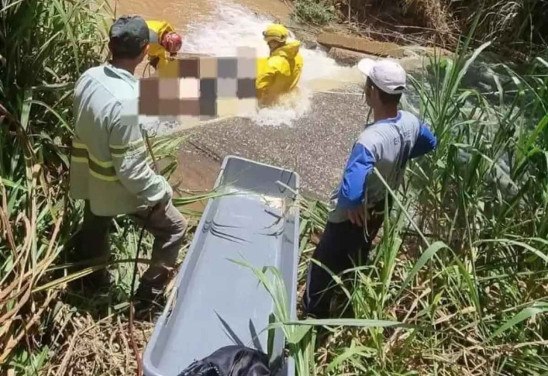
x: 231, y: 361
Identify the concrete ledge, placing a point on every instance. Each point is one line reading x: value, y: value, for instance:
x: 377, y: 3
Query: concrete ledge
x: 362, y: 45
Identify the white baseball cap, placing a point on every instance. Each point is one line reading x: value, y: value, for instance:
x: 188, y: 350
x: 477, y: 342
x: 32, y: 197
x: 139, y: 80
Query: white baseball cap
x: 387, y: 74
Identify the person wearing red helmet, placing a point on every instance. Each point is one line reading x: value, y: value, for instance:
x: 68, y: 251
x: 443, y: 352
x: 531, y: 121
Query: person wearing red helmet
x: 164, y: 43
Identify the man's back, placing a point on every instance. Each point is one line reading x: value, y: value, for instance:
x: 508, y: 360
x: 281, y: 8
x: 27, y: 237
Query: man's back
x: 105, y: 98
x: 387, y: 145
x: 293, y: 65
x: 390, y: 141
x: 98, y: 97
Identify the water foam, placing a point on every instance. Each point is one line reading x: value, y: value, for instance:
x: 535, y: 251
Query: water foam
x: 231, y: 26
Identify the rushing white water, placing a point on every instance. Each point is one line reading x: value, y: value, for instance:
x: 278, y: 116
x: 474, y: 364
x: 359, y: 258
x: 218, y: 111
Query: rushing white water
x: 231, y: 26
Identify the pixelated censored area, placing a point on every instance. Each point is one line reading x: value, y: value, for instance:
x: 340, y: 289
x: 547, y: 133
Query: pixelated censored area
x: 201, y: 88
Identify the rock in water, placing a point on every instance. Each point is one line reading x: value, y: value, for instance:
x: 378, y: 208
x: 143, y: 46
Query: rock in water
x: 347, y: 57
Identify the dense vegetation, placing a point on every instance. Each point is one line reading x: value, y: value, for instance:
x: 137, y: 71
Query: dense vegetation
x: 45, y: 46
x: 513, y: 25
x: 459, y: 280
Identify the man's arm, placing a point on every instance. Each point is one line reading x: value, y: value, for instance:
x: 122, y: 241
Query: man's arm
x: 129, y: 156
x: 426, y: 142
x: 265, y: 78
x: 358, y: 167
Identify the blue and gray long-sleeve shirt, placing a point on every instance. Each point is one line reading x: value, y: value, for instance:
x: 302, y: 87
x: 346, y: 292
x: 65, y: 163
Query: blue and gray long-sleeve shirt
x: 388, y: 145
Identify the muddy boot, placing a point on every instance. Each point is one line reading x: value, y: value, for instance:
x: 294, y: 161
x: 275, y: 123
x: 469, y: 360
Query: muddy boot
x: 149, y: 298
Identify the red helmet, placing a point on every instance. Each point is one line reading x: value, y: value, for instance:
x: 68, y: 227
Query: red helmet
x: 172, y: 42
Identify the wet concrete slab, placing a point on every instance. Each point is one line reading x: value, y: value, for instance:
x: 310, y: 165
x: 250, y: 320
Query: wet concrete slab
x: 316, y: 146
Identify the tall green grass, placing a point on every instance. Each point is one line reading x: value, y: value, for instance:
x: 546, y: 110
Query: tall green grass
x: 483, y: 192
x: 45, y: 46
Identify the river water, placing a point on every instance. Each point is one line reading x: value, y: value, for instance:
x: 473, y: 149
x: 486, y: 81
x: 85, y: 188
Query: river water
x: 217, y: 27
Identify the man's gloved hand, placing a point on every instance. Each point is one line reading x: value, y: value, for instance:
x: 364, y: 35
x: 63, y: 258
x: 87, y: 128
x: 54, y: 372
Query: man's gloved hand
x: 154, y: 62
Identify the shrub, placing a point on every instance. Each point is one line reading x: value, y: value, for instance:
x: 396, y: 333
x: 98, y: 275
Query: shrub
x: 313, y: 11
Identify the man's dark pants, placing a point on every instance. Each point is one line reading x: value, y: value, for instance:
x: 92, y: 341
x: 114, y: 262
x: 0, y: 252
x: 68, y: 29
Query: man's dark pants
x: 341, y: 247
x: 163, y: 221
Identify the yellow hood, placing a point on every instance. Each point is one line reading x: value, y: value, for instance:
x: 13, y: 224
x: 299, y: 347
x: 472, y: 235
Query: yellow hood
x: 288, y: 50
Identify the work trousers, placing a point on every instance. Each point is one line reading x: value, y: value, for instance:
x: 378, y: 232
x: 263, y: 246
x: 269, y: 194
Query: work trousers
x: 341, y: 247
x: 163, y: 221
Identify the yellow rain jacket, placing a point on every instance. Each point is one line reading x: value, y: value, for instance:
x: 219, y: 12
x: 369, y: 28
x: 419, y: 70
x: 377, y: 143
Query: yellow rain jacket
x: 157, y: 29
x: 280, y: 73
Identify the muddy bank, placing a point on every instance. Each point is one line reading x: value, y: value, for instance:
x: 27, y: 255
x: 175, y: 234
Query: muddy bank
x: 316, y: 146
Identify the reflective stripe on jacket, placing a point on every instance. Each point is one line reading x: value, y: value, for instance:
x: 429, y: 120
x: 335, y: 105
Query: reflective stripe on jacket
x: 109, y: 160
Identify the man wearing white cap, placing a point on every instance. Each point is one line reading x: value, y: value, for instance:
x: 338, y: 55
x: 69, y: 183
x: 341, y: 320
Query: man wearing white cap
x: 359, y: 202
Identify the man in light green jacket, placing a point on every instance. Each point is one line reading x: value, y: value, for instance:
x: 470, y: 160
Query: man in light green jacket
x: 109, y: 167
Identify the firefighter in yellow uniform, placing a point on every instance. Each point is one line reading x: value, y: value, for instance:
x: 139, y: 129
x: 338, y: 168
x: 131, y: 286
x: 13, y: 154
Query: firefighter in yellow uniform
x: 164, y: 43
x: 280, y: 73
